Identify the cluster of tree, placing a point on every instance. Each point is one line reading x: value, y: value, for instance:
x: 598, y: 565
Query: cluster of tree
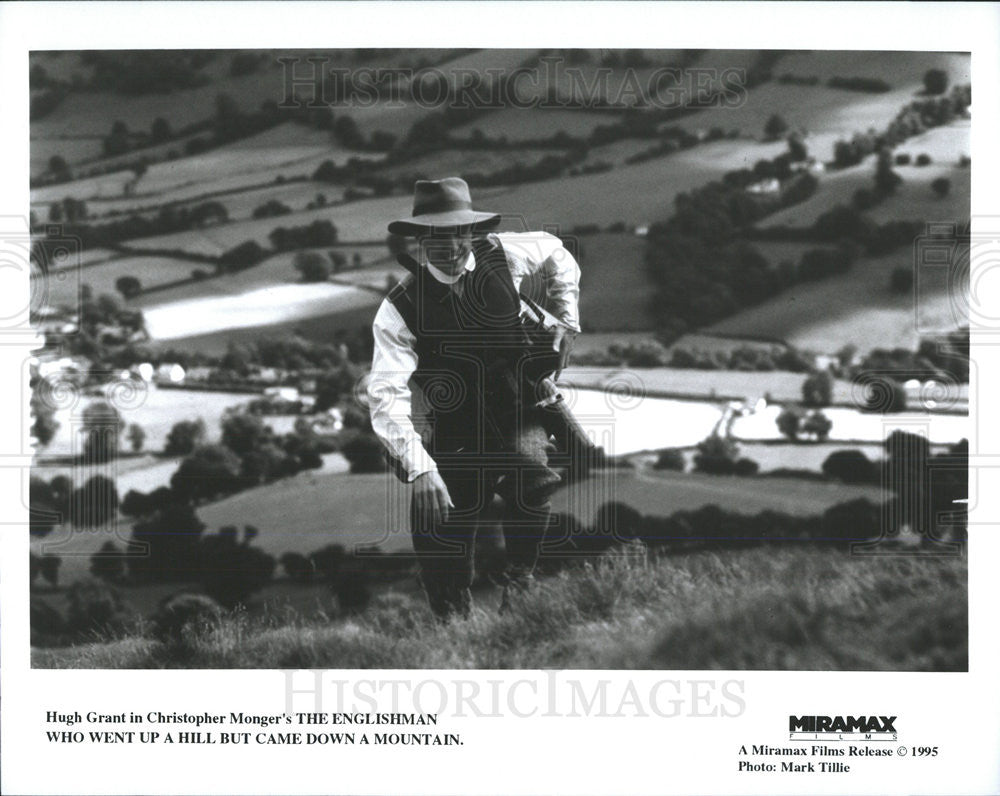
x: 146, y: 71
x: 227, y: 567
x: 674, y: 143
x: 651, y: 354
x: 848, y: 228
x: 271, y: 209
x: 792, y: 422
x: 248, y: 454
x: 349, y: 575
x: 703, y: 270
x: 720, y: 455
x: 170, y: 218
x: 708, y: 527
x: 92, y: 505
x: 912, y: 120
x: 318, y: 233
x: 943, y: 359
x: 872, y: 85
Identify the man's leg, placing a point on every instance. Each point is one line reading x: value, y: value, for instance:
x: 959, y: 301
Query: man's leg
x: 527, y: 489
x: 445, y: 551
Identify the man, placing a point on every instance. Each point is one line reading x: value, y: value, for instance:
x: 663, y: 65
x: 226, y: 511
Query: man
x: 453, y: 328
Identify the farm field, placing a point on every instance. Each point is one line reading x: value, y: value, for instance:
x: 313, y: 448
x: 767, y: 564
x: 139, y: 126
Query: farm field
x: 524, y: 124
x: 610, y: 260
x: 782, y: 386
x: 826, y: 114
x: 254, y: 161
x: 156, y: 411
x: 473, y: 161
x: 72, y: 150
x: 914, y: 198
x: 635, y: 194
x: 855, y: 308
x: 256, y: 308
x: 101, y: 277
x: 276, y: 270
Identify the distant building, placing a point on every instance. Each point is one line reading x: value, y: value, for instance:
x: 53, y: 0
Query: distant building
x: 769, y: 186
x: 170, y: 372
x: 289, y: 394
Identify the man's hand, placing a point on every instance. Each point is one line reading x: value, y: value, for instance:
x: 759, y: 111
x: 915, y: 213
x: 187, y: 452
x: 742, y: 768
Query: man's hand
x: 563, y: 343
x: 431, y: 499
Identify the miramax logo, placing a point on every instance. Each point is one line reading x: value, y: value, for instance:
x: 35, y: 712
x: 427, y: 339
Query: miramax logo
x: 847, y: 728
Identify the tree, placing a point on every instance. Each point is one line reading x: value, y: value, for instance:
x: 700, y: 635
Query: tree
x: 851, y: 467
x: 717, y: 455
x: 817, y: 389
x: 941, y: 186
x: 901, y: 280
x: 128, y: 286
x: 44, y: 424
x: 136, y: 437
x: 935, y: 81
x: 886, y: 180
x: 789, y: 422
x: 160, y: 131
x: 245, y: 255
x: 107, y: 563
x: 210, y: 471
x: 244, y: 433
x: 818, y: 425
x: 102, y: 426
x: 312, y: 266
x: 882, y: 394
x: 59, y: 167
x: 94, y: 503
x: 117, y: 142
x: 49, y: 567
x: 775, y: 127
x: 230, y: 572
x: 797, y: 148
x: 94, y: 608
x: 184, y: 437
x: 363, y: 451
x: 670, y: 459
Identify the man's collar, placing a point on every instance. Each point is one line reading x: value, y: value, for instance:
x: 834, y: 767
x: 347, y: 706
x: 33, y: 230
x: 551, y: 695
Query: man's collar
x: 448, y: 279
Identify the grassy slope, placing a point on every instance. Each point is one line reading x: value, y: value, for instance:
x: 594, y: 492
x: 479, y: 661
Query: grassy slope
x: 784, y: 608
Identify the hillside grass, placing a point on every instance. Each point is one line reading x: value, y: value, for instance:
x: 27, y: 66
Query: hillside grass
x: 784, y: 608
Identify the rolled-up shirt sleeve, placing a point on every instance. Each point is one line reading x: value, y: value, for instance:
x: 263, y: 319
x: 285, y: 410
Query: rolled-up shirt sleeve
x: 389, y: 395
x: 531, y: 252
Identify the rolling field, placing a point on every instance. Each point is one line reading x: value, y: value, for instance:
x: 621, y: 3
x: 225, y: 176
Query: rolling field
x: 452, y: 161
x: 287, y: 150
x: 726, y: 609
x: 523, y: 124
x: 855, y: 308
x: 614, y: 259
x: 150, y: 271
x: 275, y: 271
x: 826, y: 114
x: 913, y: 200
x: 258, y: 308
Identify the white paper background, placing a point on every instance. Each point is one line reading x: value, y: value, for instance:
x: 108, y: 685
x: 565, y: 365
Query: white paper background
x: 958, y: 712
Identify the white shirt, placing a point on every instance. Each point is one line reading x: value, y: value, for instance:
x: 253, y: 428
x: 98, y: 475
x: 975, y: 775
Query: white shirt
x: 395, y: 358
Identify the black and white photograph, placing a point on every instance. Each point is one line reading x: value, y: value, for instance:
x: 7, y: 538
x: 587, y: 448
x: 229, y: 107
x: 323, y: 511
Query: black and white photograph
x: 500, y: 358
x: 570, y: 358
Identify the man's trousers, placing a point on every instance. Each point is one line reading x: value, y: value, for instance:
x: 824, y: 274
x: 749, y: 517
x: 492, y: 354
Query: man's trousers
x: 511, y: 459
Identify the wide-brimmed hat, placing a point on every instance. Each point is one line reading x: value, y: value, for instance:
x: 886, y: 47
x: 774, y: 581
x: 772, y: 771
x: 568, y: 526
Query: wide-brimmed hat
x: 441, y: 205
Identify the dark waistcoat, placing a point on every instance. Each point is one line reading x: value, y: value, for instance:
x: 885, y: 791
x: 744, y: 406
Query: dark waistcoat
x: 463, y: 342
